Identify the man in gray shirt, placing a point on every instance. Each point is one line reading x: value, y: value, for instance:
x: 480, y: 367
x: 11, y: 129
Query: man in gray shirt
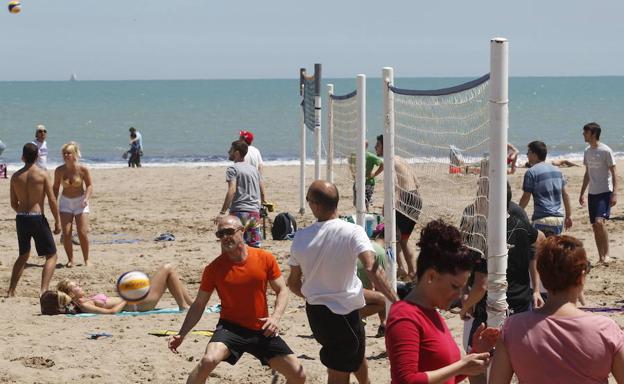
x: 245, y: 193
x: 601, y: 178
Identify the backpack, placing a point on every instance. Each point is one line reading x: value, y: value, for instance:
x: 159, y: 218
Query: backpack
x: 284, y: 224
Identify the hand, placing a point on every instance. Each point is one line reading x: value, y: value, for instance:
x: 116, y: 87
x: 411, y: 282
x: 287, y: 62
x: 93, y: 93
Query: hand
x: 174, y: 343
x: 582, y: 200
x: 474, y: 363
x: 217, y: 219
x: 484, y: 339
x: 567, y: 223
x: 465, y: 314
x: 613, y: 199
x: 57, y: 228
x: 85, y: 203
x: 270, y: 326
x: 538, y: 300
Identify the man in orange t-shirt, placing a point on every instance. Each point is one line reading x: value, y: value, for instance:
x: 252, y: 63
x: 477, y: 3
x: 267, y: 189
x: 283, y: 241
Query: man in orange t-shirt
x: 240, y: 275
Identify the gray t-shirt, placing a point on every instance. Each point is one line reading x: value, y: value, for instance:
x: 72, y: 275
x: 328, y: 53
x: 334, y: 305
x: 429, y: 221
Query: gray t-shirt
x: 247, y: 196
x: 598, y: 162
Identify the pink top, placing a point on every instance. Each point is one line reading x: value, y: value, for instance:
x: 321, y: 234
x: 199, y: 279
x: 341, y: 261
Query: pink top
x: 417, y: 341
x: 549, y: 349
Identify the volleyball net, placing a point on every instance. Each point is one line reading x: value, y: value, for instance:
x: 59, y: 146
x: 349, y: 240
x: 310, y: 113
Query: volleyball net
x: 309, y: 90
x: 346, y: 134
x: 444, y: 158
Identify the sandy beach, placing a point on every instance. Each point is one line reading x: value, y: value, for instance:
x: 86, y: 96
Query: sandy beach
x: 129, y: 208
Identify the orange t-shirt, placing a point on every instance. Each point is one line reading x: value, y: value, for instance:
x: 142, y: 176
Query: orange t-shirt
x: 242, y: 286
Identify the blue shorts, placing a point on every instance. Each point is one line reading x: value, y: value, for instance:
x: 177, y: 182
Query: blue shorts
x: 599, y: 206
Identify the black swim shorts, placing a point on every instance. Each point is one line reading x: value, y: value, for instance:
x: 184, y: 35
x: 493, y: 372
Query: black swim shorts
x: 239, y: 340
x: 342, y: 337
x: 36, y: 227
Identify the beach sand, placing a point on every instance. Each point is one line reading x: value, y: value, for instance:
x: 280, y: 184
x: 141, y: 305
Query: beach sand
x: 129, y: 208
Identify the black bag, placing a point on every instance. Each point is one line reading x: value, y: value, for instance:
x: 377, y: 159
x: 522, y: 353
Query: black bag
x: 283, y: 225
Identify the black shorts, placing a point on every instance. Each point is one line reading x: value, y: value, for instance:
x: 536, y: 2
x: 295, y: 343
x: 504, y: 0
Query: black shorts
x: 239, y: 340
x: 599, y: 206
x: 405, y: 225
x: 342, y: 337
x: 36, y: 227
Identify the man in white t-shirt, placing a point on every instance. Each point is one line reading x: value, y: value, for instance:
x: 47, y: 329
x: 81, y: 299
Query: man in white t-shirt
x: 253, y: 155
x: 322, y: 263
x: 601, y: 178
x: 41, y: 133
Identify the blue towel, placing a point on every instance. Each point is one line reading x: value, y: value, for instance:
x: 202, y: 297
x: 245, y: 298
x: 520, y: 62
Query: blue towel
x: 214, y: 309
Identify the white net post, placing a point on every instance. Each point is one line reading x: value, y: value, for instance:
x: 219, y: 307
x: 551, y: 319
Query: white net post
x: 360, y: 149
x: 302, y: 146
x: 330, y: 133
x: 317, y: 122
x: 388, y: 157
x: 497, y: 210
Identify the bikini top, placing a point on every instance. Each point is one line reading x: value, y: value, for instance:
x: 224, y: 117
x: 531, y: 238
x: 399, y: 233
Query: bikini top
x: 75, y: 183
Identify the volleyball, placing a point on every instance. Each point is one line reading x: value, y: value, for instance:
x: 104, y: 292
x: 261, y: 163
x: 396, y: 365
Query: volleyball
x: 133, y: 286
x: 15, y: 6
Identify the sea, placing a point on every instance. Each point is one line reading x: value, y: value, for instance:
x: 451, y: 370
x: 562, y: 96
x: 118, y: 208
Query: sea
x: 193, y: 122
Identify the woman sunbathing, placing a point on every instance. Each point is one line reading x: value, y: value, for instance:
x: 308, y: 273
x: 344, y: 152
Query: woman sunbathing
x: 165, y: 278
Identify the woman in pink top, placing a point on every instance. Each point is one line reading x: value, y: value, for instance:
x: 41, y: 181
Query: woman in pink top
x: 559, y: 343
x: 420, y: 347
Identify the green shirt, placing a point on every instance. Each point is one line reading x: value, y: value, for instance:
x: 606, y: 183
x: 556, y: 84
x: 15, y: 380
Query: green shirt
x: 372, y: 161
x: 380, y: 258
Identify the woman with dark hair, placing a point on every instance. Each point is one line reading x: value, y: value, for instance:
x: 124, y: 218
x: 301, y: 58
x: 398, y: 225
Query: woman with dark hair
x: 420, y: 346
x: 559, y: 343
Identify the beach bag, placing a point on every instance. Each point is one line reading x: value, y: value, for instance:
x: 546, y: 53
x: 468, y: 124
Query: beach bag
x: 283, y: 225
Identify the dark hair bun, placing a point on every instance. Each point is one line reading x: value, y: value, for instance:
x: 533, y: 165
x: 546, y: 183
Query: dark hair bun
x: 439, y: 237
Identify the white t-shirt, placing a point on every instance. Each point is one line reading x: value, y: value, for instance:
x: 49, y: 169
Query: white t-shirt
x: 253, y: 156
x: 598, y: 161
x: 327, y: 253
x: 42, y: 158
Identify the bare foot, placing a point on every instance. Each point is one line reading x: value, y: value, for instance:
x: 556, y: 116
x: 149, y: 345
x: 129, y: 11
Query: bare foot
x: 605, y: 261
x: 69, y: 264
x: 10, y: 294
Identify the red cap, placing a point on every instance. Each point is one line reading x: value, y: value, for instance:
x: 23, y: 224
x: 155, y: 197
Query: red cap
x: 247, y: 136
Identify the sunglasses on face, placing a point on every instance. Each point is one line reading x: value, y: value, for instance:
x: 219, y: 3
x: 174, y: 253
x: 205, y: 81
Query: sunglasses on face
x: 42, y: 131
x: 226, y: 232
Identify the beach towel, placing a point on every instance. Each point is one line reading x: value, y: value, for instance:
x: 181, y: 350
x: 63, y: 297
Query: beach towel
x: 214, y: 309
x: 170, y: 332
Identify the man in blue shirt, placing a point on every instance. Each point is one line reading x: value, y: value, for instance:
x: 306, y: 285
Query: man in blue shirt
x: 546, y: 184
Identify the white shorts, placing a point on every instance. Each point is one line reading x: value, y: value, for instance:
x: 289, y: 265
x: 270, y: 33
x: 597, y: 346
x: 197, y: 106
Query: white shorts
x: 72, y: 205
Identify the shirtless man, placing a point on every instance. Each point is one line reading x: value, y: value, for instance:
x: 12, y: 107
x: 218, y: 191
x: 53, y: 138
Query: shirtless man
x: 29, y: 188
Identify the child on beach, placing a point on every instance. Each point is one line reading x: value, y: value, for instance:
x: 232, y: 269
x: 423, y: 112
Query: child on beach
x: 165, y: 278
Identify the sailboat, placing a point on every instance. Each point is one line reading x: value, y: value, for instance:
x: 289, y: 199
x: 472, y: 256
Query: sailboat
x: 73, y: 77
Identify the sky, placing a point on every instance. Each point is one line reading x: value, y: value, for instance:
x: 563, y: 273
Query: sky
x: 203, y: 39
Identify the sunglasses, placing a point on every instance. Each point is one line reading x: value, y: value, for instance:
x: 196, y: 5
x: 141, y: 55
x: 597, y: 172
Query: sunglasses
x: 226, y: 232
x: 588, y: 268
x: 42, y: 130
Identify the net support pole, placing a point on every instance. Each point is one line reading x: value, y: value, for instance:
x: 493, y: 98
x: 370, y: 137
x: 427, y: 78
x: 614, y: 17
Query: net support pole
x: 360, y: 205
x: 302, y: 145
x: 497, y: 208
x: 388, y: 156
x: 330, y: 133
x: 317, y: 121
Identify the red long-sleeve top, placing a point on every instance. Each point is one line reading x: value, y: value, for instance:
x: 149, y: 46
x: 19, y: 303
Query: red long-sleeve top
x: 417, y: 341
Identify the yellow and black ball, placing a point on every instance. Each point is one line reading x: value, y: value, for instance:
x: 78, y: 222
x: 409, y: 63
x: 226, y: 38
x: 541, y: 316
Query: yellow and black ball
x: 15, y: 6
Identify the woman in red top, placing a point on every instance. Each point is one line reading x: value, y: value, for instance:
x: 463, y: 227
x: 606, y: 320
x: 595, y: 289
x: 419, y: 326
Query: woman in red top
x: 420, y: 347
